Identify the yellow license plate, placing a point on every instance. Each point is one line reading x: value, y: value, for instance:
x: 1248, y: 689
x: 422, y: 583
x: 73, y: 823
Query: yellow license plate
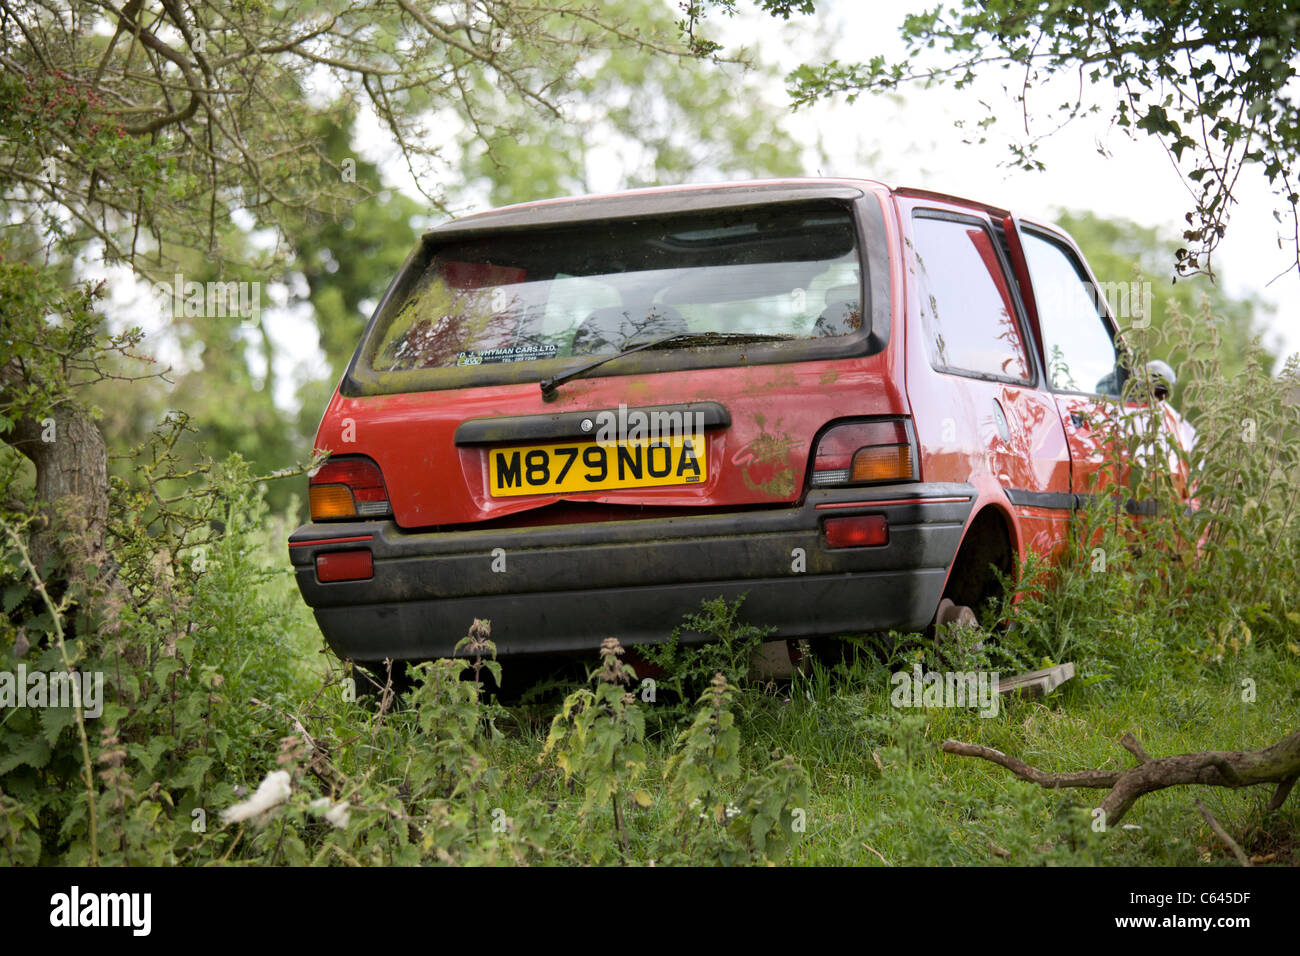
x: 552, y: 469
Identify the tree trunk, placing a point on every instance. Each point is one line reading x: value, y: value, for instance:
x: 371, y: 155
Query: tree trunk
x: 71, y: 462
x: 68, y: 542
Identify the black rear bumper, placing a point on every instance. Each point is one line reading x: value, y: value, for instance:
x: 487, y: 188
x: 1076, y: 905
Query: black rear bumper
x: 567, y: 587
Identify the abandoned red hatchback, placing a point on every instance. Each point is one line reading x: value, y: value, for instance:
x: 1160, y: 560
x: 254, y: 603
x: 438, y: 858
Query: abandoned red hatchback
x: 581, y: 417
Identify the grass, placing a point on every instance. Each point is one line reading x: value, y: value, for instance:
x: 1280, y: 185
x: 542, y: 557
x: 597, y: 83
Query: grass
x: 973, y: 807
x: 919, y: 806
x: 882, y: 793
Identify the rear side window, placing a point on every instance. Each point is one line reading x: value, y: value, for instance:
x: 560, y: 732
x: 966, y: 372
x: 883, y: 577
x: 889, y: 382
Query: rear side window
x: 788, y: 271
x: 967, y: 313
x: 1080, y: 352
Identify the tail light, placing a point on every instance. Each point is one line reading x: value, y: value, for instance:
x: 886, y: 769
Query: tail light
x: 863, y: 453
x: 348, y: 487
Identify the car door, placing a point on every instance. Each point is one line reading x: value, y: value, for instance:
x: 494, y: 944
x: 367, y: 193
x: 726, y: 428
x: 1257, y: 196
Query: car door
x: 1082, y: 357
x: 975, y: 387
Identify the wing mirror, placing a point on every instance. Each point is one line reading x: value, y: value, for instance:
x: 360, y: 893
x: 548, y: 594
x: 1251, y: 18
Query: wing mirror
x: 1162, y: 379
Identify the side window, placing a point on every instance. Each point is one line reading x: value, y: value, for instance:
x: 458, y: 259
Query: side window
x: 966, y: 306
x: 1080, y: 354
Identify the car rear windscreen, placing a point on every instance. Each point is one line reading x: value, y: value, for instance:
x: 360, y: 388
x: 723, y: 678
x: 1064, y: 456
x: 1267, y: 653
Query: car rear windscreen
x: 782, y: 271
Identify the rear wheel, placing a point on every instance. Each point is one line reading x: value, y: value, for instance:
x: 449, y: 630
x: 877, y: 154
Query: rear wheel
x: 957, y: 626
x: 955, y: 615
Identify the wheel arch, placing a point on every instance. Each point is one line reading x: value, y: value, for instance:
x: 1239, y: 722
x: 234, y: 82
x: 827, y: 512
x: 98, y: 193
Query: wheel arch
x: 991, y: 537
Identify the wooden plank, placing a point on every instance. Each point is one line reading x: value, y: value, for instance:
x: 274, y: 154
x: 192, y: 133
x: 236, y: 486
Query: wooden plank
x: 1037, y: 683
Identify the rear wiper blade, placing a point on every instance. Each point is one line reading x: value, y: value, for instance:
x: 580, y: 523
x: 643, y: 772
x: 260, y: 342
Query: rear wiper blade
x: 550, y: 385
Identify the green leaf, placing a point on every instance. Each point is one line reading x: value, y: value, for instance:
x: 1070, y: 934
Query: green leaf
x: 54, y: 720
x: 191, y: 774
x: 13, y: 595
x: 33, y: 751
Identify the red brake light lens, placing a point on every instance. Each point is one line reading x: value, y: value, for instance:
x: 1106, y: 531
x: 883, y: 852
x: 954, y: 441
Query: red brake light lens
x: 860, y: 453
x: 350, y: 487
x: 859, y: 531
x: 345, y: 565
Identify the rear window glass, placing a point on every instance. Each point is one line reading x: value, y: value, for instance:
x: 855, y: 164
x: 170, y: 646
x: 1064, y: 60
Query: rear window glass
x: 787, y: 271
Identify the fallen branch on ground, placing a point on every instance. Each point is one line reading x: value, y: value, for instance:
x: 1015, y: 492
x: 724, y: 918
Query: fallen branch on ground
x: 1278, y: 764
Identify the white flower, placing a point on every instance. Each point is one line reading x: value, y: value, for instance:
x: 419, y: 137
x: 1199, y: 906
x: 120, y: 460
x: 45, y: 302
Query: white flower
x: 339, y: 815
x: 272, y: 792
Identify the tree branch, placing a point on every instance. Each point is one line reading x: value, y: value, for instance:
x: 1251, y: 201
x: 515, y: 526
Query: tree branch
x: 1279, y: 763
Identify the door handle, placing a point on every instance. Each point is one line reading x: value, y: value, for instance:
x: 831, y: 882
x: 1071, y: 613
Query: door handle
x: 1078, y: 420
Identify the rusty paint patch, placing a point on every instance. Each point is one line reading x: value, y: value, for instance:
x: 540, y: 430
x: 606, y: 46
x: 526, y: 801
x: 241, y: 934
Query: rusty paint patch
x: 636, y: 388
x: 780, y: 485
x: 828, y: 378
x: 781, y: 378
x: 764, y: 464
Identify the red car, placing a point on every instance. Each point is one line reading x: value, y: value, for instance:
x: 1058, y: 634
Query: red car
x: 581, y: 417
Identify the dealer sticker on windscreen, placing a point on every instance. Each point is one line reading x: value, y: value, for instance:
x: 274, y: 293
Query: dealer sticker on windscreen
x: 563, y: 469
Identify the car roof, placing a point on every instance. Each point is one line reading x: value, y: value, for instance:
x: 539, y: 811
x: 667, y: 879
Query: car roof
x: 656, y: 200
x: 660, y: 200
